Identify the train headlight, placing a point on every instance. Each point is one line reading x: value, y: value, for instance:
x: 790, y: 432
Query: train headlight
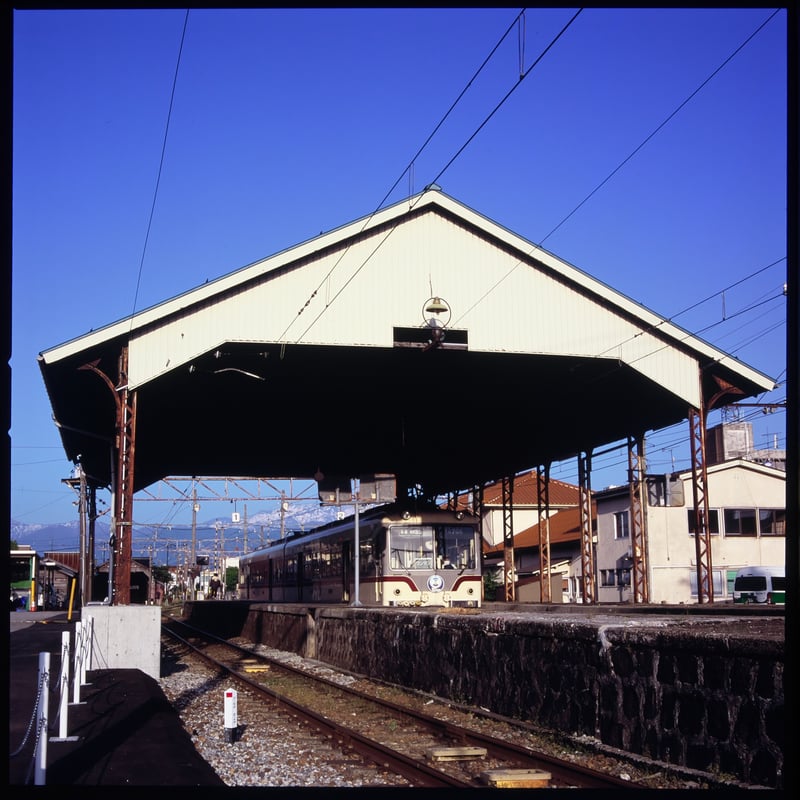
x: 436, y: 583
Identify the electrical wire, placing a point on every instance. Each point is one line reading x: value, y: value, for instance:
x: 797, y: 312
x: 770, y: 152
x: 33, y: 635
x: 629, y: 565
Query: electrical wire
x: 659, y: 127
x: 160, y: 166
x: 538, y: 246
x: 408, y: 170
x: 438, y: 176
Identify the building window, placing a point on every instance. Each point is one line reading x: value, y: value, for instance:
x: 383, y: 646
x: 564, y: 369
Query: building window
x: 730, y: 577
x: 623, y: 577
x: 621, y: 527
x: 740, y: 522
x: 713, y: 521
x: 607, y: 577
x: 716, y: 581
x: 772, y: 521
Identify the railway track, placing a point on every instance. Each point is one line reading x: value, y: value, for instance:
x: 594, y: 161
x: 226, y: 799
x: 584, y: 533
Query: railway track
x: 425, y: 750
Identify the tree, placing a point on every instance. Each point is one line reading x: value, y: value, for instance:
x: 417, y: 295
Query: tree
x: 231, y: 579
x: 162, y: 575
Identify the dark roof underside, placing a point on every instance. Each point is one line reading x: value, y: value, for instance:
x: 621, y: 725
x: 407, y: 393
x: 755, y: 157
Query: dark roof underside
x: 443, y: 419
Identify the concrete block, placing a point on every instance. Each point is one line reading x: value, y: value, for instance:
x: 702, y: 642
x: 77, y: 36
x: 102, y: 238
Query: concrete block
x: 125, y: 637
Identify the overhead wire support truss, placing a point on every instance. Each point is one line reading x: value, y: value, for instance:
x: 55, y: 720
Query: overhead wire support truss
x: 587, y: 536
x: 264, y: 490
x: 636, y: 481
x: 508, y: 538
x: 543, y: 503
x: 702, y: 537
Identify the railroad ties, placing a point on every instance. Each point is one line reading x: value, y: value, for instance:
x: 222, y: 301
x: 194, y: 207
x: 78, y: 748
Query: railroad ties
x: 496, y: 778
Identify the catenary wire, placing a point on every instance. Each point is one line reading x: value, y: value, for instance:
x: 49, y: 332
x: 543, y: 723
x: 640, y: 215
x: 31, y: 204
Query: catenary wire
x: 636, y: 150
x: 659, y: 127
x: 160, y: 166
x: 408, y: 169
x: 440, y: 173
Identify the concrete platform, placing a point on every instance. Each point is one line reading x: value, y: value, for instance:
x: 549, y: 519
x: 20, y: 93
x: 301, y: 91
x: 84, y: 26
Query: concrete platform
x: 127, y: 733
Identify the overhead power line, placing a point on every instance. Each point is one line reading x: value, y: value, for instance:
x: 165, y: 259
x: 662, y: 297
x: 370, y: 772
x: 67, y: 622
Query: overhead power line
x: 160, y: 166
x: 659, y: 127
x: 405, y: 171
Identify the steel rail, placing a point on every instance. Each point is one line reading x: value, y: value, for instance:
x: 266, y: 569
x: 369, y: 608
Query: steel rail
x: 563, y: 772
x: 413, y: 770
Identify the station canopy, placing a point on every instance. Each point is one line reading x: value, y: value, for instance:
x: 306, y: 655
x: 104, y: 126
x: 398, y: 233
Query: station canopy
x: 424, y: 341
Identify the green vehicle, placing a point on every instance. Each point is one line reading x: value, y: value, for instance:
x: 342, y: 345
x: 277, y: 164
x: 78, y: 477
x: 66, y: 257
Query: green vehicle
x: 760, y: 585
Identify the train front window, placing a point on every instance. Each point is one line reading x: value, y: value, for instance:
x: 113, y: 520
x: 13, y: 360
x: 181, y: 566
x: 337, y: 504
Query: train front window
x: 411, y: 547
x: 455, y: 547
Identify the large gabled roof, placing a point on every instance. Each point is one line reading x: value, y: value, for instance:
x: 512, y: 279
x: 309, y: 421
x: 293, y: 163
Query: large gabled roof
x: 317, y: 358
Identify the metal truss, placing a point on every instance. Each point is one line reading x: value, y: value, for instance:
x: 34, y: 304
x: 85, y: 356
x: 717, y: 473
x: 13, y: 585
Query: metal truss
x: 639, y: 549
x: 543, y: 503
x: 587, y: 544
x: 508, y: 538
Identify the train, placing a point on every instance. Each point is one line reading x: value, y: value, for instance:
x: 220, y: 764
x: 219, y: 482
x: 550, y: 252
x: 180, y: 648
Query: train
x: 408, y: 556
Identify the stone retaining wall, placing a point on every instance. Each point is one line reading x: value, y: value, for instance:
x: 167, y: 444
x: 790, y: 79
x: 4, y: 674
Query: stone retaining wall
x: 703, y: 693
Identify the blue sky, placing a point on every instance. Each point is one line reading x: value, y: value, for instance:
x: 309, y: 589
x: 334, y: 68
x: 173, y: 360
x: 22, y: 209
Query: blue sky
x: 646, y: 147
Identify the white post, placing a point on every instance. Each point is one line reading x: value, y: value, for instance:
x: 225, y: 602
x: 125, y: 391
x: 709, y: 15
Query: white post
x: 89, y: 642
x: 64, y: 687
x: 356, y: 547
x: 85, y: 648
x: 231, y: 715
x: 41, y: 720
x: 76, y: 683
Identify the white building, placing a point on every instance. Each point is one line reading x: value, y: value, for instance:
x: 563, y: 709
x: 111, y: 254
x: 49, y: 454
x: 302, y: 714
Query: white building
x: 747, y: 523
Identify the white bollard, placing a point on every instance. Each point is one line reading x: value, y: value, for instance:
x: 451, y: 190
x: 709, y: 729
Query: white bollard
x: 40, y: 757
x: 76, y: 683
x: 64, y: 687
x: 84, y: 650
x: 231, y: 715
x: 89, y: 642
x: 63, y: 700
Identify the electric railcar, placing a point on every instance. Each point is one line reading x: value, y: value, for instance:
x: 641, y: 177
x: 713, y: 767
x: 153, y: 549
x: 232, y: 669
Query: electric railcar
x: 406, y: 558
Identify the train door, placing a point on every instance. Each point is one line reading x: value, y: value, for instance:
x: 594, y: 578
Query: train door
x: 270, y: 578
x: 347, y: 557
x: 300, y: 575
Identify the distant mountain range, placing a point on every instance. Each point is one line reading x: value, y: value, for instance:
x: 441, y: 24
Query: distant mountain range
x: 165, y: 541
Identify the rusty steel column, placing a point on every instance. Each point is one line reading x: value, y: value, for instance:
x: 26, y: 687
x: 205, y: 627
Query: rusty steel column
x: 587, y: 545
x: 636, y: 483
x: 702, y: 534
x: 475, y: 506
x: 122, y: 459
x: 543, y: 505
x: 508, y: 538
x: 92, y: 501
x: 123, y: 495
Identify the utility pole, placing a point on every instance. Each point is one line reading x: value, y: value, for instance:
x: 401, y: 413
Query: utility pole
x: 91, y: 562
x: 356, y: 545
x: 194, y: 542
x: 84, y: 565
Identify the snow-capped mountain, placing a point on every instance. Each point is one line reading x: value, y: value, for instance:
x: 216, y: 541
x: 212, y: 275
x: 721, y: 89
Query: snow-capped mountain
x: 210, y: 534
